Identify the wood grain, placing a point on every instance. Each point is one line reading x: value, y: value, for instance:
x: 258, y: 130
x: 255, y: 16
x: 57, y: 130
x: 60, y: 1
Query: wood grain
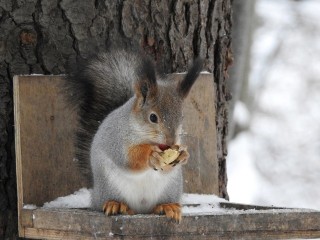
x: 199, y: 134
x: 44, y: 133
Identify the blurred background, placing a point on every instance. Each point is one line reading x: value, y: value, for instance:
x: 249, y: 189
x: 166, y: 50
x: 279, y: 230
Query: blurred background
x: 274, y: 144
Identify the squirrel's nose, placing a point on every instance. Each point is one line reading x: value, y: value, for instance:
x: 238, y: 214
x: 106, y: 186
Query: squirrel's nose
x: 170, y: 140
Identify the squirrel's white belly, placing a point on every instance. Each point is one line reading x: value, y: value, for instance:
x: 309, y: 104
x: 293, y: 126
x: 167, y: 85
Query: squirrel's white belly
x: 141, y: 191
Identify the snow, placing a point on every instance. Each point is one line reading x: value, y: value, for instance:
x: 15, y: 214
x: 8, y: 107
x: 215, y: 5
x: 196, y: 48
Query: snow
x: 29, y: 206
x: 79, y: 199
x: 201, y: 203
x: 193, y: 203
x: 192, y: 198
x: 276, y: 161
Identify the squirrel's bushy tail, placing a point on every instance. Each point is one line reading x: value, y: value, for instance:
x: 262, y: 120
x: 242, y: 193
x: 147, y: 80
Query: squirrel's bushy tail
x: 95, y: 87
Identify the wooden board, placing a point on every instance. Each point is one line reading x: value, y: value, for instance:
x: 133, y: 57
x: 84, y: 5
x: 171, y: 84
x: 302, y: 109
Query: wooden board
x: 199, y: 134
x: 43, y: 134
x: 44, y: 131
x: 84, y: 224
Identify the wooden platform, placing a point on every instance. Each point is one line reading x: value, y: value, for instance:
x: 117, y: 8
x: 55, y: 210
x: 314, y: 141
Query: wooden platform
x: 46, y: 169
x: 237, y: 224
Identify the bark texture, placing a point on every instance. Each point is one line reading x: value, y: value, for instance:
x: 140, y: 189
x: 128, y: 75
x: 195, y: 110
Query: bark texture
x: 41, y: 36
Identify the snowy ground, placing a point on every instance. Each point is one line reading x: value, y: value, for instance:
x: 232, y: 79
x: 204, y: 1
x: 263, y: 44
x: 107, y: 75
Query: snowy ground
x: 194, y: 203
x: 277, y: 160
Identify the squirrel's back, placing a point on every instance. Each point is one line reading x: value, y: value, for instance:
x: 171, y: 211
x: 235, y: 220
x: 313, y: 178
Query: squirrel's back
x: 95, y: 87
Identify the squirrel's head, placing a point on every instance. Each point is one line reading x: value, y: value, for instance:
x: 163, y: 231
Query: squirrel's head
x: 157, y: 111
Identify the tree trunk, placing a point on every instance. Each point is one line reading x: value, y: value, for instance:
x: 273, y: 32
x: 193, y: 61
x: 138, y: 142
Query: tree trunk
x: 244, y: 22
x: 39, y: 36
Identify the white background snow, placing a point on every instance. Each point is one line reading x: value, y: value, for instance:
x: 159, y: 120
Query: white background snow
x: 276, y: 161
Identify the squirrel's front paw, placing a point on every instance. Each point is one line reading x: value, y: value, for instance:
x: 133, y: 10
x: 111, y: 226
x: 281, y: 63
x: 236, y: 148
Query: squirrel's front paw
x: 114, y: 208
x: 157, y: 160
x: 171, y: 210
x: 183, y: 157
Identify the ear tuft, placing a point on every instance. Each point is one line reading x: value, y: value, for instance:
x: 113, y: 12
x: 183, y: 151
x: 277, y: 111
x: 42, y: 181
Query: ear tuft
x: 192, y: 75
x: 146, y: 84
x: 147, y: 70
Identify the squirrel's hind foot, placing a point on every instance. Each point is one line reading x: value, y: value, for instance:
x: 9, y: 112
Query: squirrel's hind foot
x: 171, y: 210
x: 114, y: 208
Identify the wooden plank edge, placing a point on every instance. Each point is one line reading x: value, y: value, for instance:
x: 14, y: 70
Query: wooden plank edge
x: 16, y: 102
x: 26, y: 217
x: 241, y: 206
x: 59, y: 234
x: 36, y: 233
x: 94, y: 224
x: 227, y: 235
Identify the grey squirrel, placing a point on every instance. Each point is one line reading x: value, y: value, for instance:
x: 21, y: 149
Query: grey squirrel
x: 128, y: 115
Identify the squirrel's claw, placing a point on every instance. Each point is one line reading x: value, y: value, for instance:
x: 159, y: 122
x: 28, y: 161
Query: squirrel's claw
x: 114, y: 208
x: 171, y: 210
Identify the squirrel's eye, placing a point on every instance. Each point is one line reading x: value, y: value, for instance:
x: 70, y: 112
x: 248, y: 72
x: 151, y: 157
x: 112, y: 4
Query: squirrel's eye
x: 153, y: 118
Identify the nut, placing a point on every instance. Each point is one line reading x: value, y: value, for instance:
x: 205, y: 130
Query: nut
x: 169, y: 155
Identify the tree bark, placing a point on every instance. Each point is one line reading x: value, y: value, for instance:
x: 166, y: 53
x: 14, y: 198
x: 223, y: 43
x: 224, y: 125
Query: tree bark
x: 41, y: 36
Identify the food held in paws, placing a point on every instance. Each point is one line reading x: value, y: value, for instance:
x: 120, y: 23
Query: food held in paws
x: 169, y: 155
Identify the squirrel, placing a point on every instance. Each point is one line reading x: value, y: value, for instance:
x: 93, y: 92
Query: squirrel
x: 128, y: 114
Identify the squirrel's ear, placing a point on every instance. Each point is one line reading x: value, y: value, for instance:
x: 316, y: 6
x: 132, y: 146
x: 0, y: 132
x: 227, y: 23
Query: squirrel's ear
x: 185, y: 85
x: 146, y: 84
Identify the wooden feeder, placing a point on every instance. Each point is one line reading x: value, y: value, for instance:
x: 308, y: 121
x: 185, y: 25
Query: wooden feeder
x: 46, y: 170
